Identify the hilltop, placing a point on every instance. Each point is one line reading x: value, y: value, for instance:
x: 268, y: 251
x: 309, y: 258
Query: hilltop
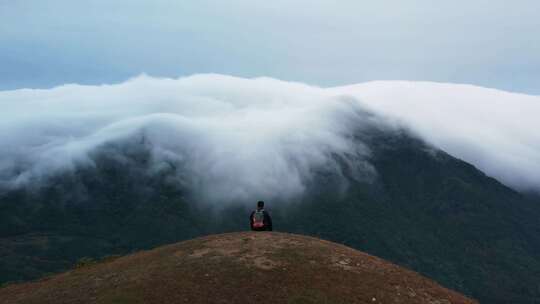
x: 241, y: 267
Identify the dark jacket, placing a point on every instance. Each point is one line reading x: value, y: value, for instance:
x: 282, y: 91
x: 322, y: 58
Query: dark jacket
x: 267, y: 221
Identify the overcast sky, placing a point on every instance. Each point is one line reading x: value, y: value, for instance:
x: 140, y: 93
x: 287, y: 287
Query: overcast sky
x: 492, y: 43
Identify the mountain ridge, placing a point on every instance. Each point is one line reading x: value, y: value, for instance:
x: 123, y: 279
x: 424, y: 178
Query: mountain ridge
x: 426, y: 210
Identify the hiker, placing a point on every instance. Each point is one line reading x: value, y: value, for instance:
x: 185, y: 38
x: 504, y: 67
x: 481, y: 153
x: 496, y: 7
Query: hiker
x: 260, y: 219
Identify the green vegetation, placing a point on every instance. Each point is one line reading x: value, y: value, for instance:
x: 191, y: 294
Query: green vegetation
x: 85, y: 262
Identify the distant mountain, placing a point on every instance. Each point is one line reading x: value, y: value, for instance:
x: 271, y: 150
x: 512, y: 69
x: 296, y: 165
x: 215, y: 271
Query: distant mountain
x: 254, y: 267
x: 419, y: 207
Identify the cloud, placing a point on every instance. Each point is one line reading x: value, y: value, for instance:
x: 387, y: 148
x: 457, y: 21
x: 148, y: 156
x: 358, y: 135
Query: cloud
x: 494, y: 130
x: 234, y: 138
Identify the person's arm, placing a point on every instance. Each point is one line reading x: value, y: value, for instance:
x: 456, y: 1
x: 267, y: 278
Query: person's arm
x: 268, y: 220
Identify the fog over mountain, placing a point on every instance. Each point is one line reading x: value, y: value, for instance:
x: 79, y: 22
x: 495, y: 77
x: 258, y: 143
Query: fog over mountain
x: 233, y: 138
x: 236, y: 138
x: 491, y: 129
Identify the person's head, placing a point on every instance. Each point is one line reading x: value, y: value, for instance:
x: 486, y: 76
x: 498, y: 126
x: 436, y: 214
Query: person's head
x: 260, y: 204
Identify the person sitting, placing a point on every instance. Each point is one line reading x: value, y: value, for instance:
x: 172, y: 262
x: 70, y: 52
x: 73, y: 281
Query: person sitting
x: 260, y: 219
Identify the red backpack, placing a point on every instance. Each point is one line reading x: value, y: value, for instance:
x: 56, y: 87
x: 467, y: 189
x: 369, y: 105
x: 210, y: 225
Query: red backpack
x: 258, y: 219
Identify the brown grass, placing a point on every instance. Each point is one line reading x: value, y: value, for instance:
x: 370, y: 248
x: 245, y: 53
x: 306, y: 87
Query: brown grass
x: 263, y: 267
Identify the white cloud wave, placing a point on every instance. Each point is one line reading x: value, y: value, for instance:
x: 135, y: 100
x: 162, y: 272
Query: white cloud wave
x: 237, y: 138
x: 497, y: 131
x: 243, y: 139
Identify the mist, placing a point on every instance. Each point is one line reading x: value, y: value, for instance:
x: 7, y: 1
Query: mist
x: 237, y: 139
x: 494, y: 130
x: 232, y: 139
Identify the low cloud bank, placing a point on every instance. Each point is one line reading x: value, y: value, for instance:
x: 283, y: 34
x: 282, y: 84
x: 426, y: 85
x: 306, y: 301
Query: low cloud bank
x: 497, y: 131
x: 236, y: 139
x: 243, y: 139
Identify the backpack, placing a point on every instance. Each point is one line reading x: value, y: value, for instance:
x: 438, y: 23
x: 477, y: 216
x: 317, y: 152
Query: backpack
x: 258, y: 219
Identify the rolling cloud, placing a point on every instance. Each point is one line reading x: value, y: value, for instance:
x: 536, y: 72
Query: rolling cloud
x: 494, y: 130
x: 243, y: 138
x: 234, y: 138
